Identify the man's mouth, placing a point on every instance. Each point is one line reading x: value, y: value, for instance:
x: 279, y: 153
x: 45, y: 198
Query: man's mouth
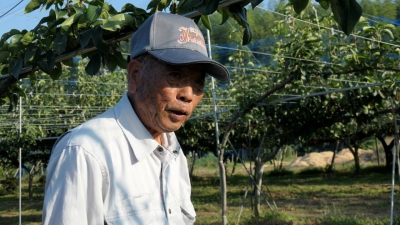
x: 179, y: 112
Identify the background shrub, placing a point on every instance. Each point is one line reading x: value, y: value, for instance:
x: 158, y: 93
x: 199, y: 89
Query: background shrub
x: 8, y: 186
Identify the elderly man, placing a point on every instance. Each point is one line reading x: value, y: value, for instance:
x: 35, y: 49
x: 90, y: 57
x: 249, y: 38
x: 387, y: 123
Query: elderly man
x: 126, y: 166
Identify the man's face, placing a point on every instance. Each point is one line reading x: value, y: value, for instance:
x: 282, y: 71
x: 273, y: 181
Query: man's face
x: 164, y: 98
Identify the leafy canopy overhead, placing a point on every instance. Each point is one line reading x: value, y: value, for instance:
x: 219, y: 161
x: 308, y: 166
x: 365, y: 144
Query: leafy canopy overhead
x: 94, y: 29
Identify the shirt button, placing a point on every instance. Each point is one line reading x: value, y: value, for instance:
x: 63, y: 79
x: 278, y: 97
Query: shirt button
x: 169, y: 211
x: 160, y: 149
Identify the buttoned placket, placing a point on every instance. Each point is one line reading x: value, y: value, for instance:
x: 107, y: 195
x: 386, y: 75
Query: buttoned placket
x: 167, y: 160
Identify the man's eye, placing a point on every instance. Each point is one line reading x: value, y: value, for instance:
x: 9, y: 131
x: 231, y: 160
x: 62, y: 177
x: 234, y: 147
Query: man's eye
x: 174, y: 74
x: 173, y: 78
x: 200, y: 83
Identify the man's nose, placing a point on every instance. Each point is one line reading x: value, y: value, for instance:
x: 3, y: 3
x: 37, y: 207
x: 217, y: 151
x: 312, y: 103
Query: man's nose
x: 185, y: 93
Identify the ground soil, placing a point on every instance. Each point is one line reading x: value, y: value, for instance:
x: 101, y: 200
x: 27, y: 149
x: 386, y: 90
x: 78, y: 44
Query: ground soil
x: 322, y: 159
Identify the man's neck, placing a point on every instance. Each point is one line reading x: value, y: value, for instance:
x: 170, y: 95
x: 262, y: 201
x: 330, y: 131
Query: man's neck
x: 156, y: 135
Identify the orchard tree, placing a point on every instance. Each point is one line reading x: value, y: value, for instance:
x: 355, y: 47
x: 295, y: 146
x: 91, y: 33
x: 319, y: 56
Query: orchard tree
x: 315, y: 63
x: 51, y: 108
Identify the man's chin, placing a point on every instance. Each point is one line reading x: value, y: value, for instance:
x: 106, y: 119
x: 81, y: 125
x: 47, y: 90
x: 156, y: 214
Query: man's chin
x: 172, y: 128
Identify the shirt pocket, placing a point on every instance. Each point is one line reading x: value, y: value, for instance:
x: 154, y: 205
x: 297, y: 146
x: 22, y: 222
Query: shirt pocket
x: 135, y: 210
x: 188, y: 213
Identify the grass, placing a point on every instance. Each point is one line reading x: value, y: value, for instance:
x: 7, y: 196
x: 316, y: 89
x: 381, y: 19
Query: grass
x: 301, y: 197
x: 31, y: 208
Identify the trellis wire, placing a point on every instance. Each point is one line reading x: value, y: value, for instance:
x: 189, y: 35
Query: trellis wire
x: 331, y: 28
x: 280, y: 56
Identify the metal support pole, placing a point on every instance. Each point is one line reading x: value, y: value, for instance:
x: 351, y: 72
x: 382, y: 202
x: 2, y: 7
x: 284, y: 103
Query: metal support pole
x: 394, y: 152
x: 213, y: 96
x: 393, y: 179
x: 20, y: 161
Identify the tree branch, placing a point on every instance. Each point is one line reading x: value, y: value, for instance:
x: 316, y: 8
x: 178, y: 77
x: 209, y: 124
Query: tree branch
x: 250, y: 107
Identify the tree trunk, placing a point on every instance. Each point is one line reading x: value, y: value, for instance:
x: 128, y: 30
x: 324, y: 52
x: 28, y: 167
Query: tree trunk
x: 330, y: 168
x: 31, y: 186
x: 32, y: 173
x: 354, y: 151
x: 192, y: 166
x: 235, y: 159
x: 222, y: 181
x: 259, y: 170
x: 357, y: 160
x: 377, y: 152
x: 388, y: 152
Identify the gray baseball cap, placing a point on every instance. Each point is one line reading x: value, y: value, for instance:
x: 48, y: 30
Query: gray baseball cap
x: 175, y: 40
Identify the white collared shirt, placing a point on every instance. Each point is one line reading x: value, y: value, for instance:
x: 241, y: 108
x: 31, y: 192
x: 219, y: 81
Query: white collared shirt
x: 110, y: 170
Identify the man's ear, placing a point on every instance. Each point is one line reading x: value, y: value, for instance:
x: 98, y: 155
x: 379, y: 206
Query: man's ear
x: 133, y: 76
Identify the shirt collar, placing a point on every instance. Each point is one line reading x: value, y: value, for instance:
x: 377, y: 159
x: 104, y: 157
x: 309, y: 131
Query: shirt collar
x: 170, y: 143
x: 140, y: 139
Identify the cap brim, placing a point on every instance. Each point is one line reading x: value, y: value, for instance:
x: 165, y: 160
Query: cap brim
x: 179, y: 56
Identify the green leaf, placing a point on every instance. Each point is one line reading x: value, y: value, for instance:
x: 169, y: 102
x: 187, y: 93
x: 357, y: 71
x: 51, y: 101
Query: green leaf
x: 368, y: 29
x: 60, y: 42
x: 15, y: 40
x: 71, y: 20
x: 7, y: 35
x: 46, y: 62
x: 324, y: 4
x: 299, y: 5
x: 2, y: 66
x: 346, y: 14
x: 4, y: 56
x: 209, y: 7
x: 128, y: 8
x: 94, y: 64
x: 119, y: 59
x: 131, y: 8
x: 49, y: 3
x: 60, y: 13
x: 206, y: 22
x: 28, y: 38
x: 225, y: 14
x: 32, y: 5
x: 388, y: 32
x: 239, y: 13
x: 16, y: 69
x: 69, y: 62
x: 118, y: 21
x: 110, y: 63
x: 28, y: 54
x: 153, y: 4
x: 110, y: 9
x: 46, y: 19
x: 97, y: 38
x: 84, y: 38
x: 56, y: 72
x: 187, y: 5
x: 93, y: 13
x: 97, y: 3
x: 391, y: 26
x: 247, y: 35
x: 158, y: 5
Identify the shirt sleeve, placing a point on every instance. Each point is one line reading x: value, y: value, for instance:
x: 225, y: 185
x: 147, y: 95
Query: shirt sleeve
x: 73, y: 192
